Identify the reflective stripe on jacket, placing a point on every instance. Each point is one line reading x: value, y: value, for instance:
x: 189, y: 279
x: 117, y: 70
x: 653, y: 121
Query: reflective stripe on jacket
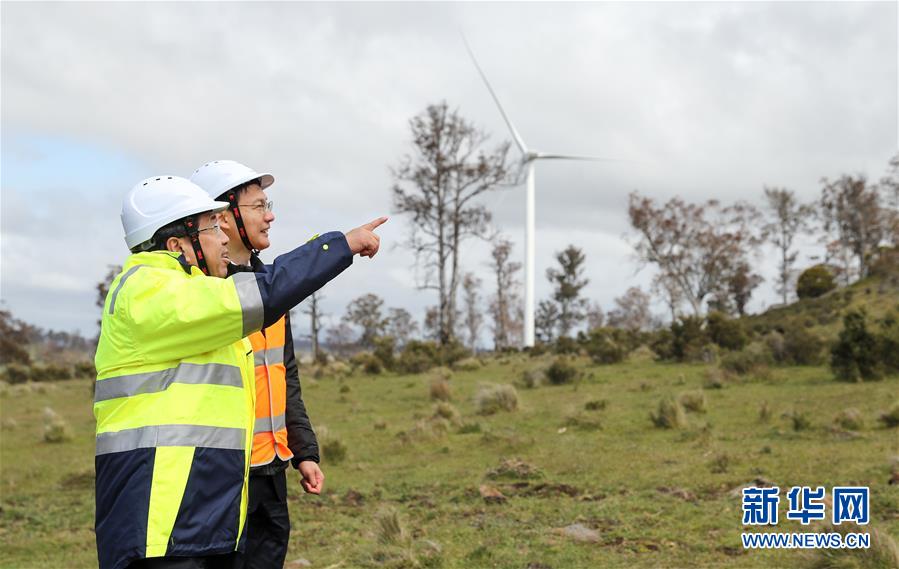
x: 270, y: 429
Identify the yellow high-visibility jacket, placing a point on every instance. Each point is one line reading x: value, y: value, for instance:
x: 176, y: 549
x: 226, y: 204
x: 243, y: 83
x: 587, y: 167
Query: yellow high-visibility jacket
x: 175, y: 398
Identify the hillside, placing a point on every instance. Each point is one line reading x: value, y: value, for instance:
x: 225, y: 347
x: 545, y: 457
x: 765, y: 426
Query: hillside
x: 877, y: 294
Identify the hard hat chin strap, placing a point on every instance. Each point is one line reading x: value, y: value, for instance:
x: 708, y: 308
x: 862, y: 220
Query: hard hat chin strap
x: 238, y: 221
x: 192, y: 232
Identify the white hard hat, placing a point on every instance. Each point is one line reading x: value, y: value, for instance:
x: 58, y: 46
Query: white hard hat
x: 160, y: 200
x: 219, y: 176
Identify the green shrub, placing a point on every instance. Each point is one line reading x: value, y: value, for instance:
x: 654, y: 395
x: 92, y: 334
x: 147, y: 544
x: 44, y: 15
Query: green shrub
x: 800, y: 421
x: 888, y: 344
x: 367, y: 362
x: 493, y: 398
x: 384, y: 347
x: 856, y: 354
x: 85, y: 369
x: 561, y: 371
x: 662, y: 343
x: 418, y: 357
x: 17, y: 373
x: 801, y: 346
x: 50, y: 372
x: 814, y: 282
x: 606, y: 345
x: 565, y: 345
x: 776, y: 345
x: 451, y: 353
x: 670, y: 415
x: 726, y: 332
x: 688, y: 339
x: 538, y: 349
x: 749, y: 360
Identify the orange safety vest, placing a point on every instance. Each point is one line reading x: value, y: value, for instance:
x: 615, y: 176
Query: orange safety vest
x: 270, y: 432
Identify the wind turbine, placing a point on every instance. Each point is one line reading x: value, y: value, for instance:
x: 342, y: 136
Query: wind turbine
x: 528, y: 158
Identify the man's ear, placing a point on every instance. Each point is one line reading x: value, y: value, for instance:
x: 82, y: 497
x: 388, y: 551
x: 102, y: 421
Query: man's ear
x: 173, y: 244
x: 225, y: 220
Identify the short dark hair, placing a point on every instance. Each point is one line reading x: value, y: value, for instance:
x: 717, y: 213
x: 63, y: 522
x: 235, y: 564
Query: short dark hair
x: 239, y: 190
x: 162, y: 235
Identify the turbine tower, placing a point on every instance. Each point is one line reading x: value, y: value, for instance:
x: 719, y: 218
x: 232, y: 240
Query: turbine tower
x: 528, y: 159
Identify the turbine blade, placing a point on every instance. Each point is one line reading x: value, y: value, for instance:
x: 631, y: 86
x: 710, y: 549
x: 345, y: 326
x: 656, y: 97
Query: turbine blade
x: 518, y: 140
x: 547, y: 156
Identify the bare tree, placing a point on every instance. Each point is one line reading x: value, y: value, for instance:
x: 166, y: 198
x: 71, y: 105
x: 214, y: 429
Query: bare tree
x: 473, y: 317
x: 696, y: 248
x: 505, y: 301
x: 401, y: 326
x: 312, y: 307
x: 855, y: 221
x: 631, y: 311
x: 365, y: 312
x: 668, y: 289
x: 890, y: 186
x: 568, y: 280
x: 340, y: 338
x: 732, y: 298
x: 437, y: 187
x: 432, y: 323
x: 595, y: 316
x: 786, y: 218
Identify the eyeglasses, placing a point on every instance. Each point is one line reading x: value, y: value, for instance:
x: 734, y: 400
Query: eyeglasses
x: 259, y: 207
x: 214, y: 228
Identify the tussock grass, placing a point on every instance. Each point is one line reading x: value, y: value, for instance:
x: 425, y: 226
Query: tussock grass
x: 850, y: 418
x: 669, y: 415
x: 56, y: 429
x: 890, y: 417
x: 494, y: 398
x: 694, y: 401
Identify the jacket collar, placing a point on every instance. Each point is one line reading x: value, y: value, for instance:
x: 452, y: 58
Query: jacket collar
x: 163, y: 260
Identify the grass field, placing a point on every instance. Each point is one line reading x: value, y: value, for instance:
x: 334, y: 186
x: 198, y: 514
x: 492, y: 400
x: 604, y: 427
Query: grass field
x: 408, y: 492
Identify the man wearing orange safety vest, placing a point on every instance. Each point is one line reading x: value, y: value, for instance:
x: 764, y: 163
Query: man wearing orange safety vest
x: 283, y: 433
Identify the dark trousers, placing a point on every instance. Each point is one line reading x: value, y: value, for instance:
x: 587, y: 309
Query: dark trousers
x: 268, y: 524
x: 227, y: 561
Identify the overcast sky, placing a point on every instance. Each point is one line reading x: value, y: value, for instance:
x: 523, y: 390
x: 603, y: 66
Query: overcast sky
x: 705, y: 100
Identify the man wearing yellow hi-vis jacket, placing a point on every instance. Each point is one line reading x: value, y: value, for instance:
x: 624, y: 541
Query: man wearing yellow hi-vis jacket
x: 175, y: 398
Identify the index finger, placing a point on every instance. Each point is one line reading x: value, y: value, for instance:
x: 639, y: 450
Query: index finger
x: 373, y: 224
